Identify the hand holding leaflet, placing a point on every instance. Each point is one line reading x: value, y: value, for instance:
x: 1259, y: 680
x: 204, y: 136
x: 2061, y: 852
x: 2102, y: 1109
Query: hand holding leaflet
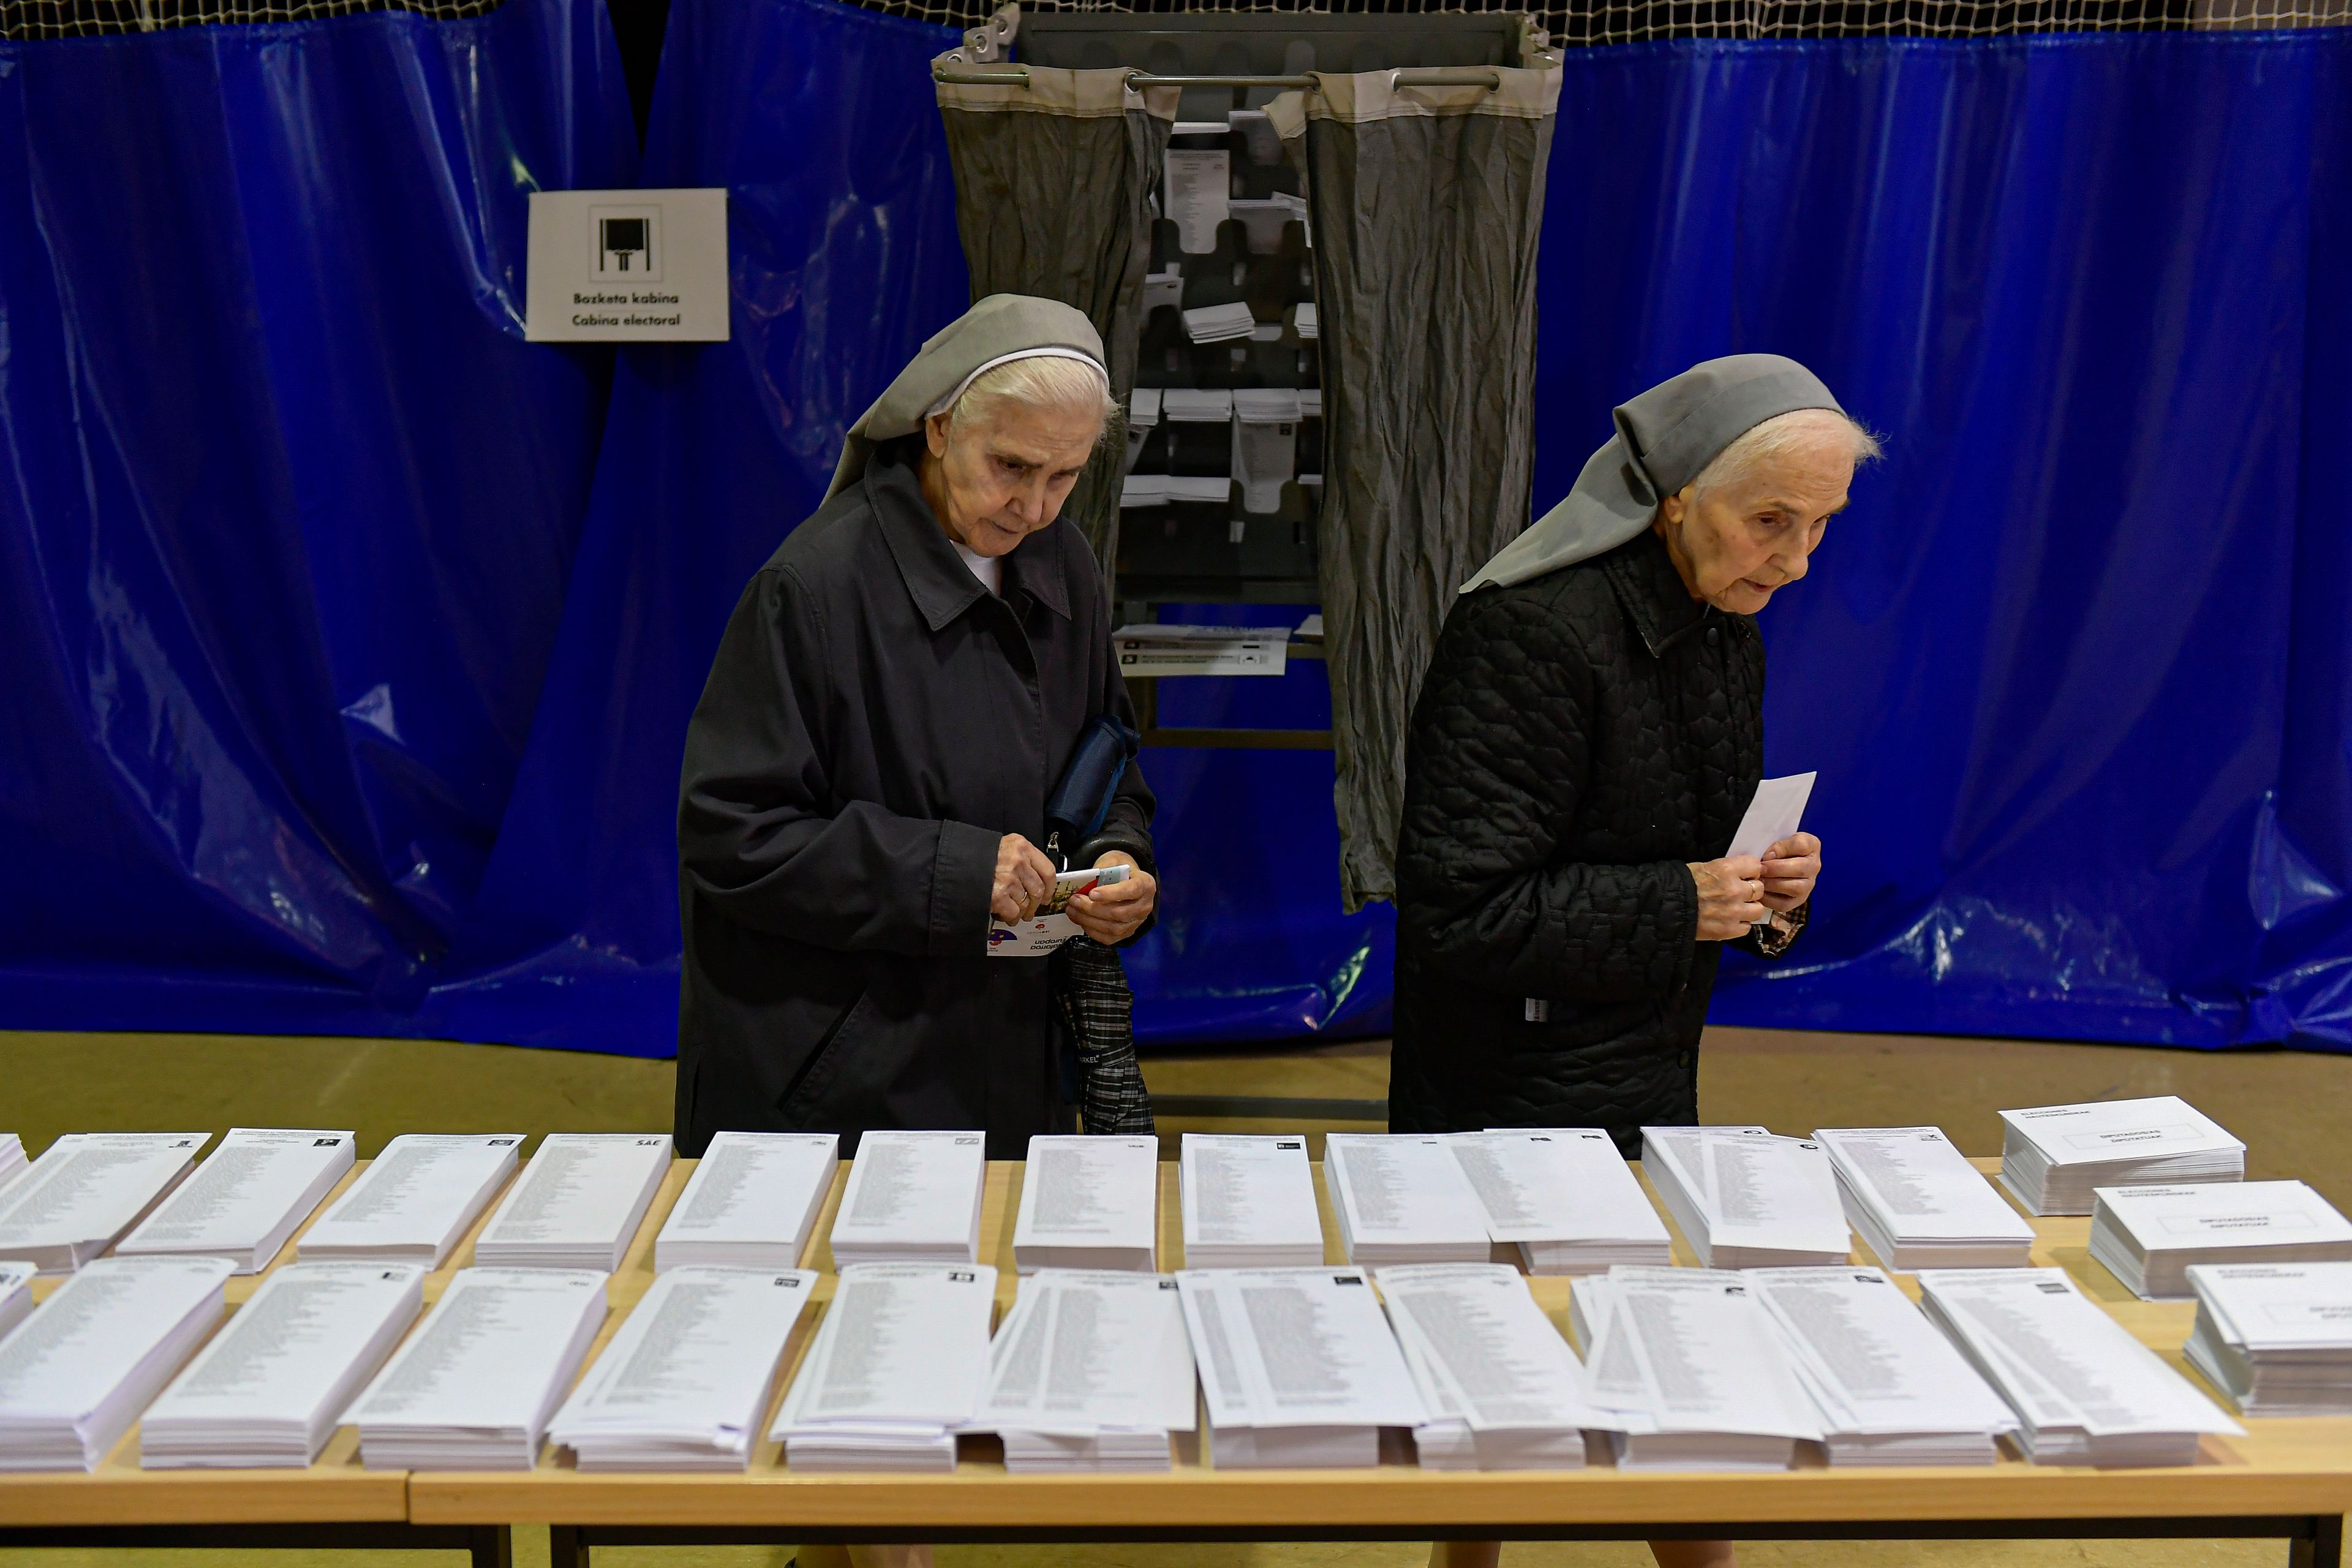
x: 1778, y: 810
x: 1051, y: 926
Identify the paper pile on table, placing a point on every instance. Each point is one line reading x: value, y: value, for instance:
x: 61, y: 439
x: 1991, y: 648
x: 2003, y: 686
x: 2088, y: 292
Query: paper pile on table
x: 1918, y: 1203
x: 1402, y: 1198
x: 75, y: 1374
x: 578, y: 1204
x: 415, y: 1201
x: 752, y: 1201
x: 12, y: 1158
x: 1564, y: 1196
x: 912, y: 1197
x: 248, y: 1198
x: 2083, y: 1389
x: 269, y: 1391
x: 15, y: 1294
x: 2148, y: 1236
x: 1088, y: 1203
x: 897, y: 1369
x: 683, y: 1385
x: 473, y: 1387
x: 86, y: 1190
x: 1299, y: 1366
x: 1091, y: 1372
x: 1746, y: 1199
x: 2054, y: 1156
x: 2277, y: 1338
x: 1887, y: 1387
x: 1502, y: 1389
x: 1248, y: 1202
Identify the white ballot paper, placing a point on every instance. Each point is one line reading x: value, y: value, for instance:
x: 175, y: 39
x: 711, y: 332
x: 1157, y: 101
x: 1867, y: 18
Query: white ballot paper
x: 15, y: 1294
x: 1088, y: 1203
x: 1501, y: 1387
x: 1918, y: 1202
x: 2276, y: 1337
x: 1159, y: 649
x: 86, y: 1190
x: 12, y: 1159
x: 1218, y: 323
x: 1300, y: 1367
x: 415, y: 1201
x: 1051, y: 926
x: 1746, y: 1199
x: 2148, y: 1236
x: 578, y: 1204
x: 896, y: 1372
x: 683, y: 1385
x: 1092, y: 1371
x: 76, y: 1374
x: 912, y: 1197
x: 1402, y: 1198
x: 1889, y: 1389
x: 1564, y: 1196
x: 1248, y: 1202
x: 1776, y: 811
x: 1265, y: 443
x: 248, y: 1197
x: 752, y: 1201
x: 1200, y: 184
x: 2052, y: 1156
x: 473, y: 1388
x: 2083, y: 1389
x: 1196, y: 404
x: 270, y: 1389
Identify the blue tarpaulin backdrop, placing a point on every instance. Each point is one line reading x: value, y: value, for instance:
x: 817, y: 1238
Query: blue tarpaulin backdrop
x: 349, y: 640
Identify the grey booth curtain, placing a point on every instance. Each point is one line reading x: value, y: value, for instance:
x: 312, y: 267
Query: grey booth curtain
x: 1427, y: 205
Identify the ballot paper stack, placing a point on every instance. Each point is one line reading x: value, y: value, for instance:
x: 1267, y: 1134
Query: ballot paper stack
x: 2054, y: 1156
x: 1501, y: 1388
x: 76, y: 1374
x: 12, y: 1159
x: 1564, y: 1196
x: 912, y: 1197
x: 415, y: 1201
x: 2275, y: 1337
x: 1918, y: 1203
x: 1886, y: 1387
x: 578, y: 1204
x: 269, y: 1391
x: 1687, y: 1372
x: 1248, y: 1202
x: 1218, y: 323
x: 86, y: 1190
x: 15, y: 1294
x: 2148, y: 1236
x: 684, y: 1383
x: 1300, y: 1367
x: 1402, y: 1198
x: 248, y: 1198
x: 2082, y: 1390
x: 1746, y: 1199
x: 1088, y: 1203
x: 1092, y: 1371
x: 897, y: 1371
x: 752, y: 1202
x: 474, y: 1386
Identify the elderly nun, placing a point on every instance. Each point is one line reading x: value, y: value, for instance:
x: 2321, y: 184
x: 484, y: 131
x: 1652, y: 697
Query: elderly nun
x: 900, y: 688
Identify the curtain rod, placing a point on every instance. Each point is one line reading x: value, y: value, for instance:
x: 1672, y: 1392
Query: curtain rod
x: 1457, y: 76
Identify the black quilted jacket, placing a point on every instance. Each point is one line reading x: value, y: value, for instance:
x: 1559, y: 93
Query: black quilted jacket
x: 1581, y: 738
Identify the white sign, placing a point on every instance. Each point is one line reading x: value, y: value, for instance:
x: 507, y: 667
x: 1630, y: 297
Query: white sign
x: 628, y: 267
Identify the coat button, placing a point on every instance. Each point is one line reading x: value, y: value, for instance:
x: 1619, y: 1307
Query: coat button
x: 1710, y: 636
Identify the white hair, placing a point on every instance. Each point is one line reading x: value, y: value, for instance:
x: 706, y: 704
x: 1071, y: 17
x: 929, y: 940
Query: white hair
x: 1045, y: 382
x: 1783, y: 436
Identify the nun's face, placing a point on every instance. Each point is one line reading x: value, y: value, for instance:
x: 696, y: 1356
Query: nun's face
x: 995, y: 481
x: 1737, y: 543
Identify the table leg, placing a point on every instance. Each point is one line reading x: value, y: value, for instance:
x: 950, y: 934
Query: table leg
x: 2323, y: 1548
x: 566, y: 1549
x: 490, y: 1546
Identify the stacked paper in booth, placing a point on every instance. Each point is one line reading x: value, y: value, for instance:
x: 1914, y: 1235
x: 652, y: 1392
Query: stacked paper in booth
x: 2275, y: 1337
x: 473, y: 1387
x: 15, y: 1294
x: 2082, y: 1390
x: 1093, y: 1371
x: 1305, y: 321
x: 12, y: 1159
x: 1143, y: 414
x: 86, y: 1190
x: 912, y: 1197
x: 1088, y: 1203
x: 1155, y: 648
x: 270, y: 1389
x: 2054, y: 1156
x: 1248, y: 1202
x: 2148, y: 1236
x: 248, y: 1198
x: 1218, y: 323
x: 1687, y: 1372
x: 752, y: 1201
x: 1143, y: 491
x: 897, y: 1369
x: 1564, y: 1196
x: 415, y: 1201
x: 1196, y: 404
x: 1501, y: 1388
x: 1299, y: 1366
x: 75, y: 1374
x: 684, y: 1383
x: 1887, y: 1388
x: 578, y: 1204
x: 1746, y: 1199
x: 1918, y: 1203
x: 1402, y: 1198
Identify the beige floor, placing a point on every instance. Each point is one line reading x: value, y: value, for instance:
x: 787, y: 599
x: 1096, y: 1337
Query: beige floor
x: 2286, y: 1105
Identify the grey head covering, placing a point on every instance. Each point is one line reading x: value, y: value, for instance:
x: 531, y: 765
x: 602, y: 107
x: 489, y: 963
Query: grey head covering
x: 1664, y: 437
x: 1000, y: 328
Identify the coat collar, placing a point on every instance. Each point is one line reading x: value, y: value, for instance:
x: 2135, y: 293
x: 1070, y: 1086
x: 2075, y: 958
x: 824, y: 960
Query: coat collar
x: 1652, y: 591
x: 941, y: 584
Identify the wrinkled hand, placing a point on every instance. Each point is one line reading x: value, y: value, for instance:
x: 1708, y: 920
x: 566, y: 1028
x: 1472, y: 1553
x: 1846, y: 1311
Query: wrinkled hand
x: 1024, y: 879
x: 1111, y: 913
x: 1730, y: 896
x: 1790, y: 869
